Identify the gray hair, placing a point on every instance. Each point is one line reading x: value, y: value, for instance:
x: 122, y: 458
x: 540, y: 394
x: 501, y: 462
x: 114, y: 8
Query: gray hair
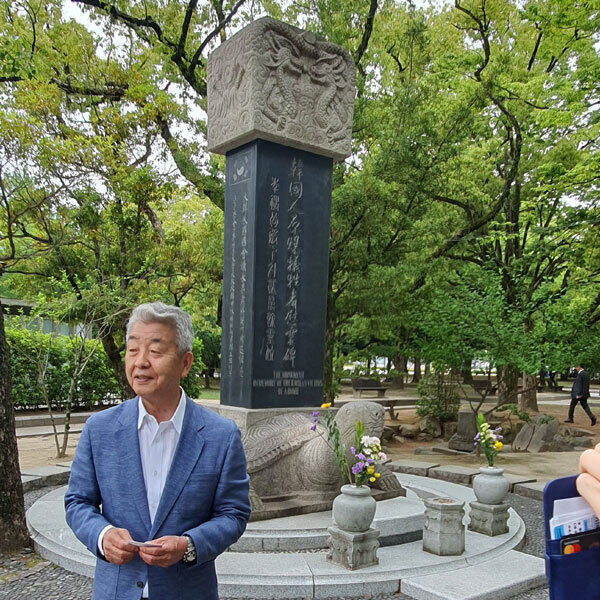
x: 159, y: 312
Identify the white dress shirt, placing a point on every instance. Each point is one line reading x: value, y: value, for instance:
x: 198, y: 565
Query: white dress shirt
x: 158, y: 442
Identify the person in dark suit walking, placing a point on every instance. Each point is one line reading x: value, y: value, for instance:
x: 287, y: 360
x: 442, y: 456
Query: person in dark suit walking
x: 580, y: 392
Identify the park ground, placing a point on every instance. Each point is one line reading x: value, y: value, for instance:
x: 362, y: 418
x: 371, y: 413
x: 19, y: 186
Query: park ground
x: 41, y: 450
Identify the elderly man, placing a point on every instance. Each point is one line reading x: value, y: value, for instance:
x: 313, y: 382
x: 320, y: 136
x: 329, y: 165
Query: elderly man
x: 158, y: 486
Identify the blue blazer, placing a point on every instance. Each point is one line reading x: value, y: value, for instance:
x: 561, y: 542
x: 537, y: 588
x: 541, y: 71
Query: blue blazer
x: 205, y: 496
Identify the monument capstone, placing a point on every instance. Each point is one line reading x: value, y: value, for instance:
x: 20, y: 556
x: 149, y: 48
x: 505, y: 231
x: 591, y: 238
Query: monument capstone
x: 278, y: 83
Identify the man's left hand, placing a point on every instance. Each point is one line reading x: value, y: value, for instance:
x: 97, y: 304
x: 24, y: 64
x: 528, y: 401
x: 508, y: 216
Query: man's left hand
x: 172, y: 548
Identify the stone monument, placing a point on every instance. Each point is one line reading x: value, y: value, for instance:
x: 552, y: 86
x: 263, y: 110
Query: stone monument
x: 280, y: 106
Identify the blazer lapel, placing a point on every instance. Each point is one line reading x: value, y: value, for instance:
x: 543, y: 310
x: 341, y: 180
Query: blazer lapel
x: 184, y: 460
x: 130, y: 474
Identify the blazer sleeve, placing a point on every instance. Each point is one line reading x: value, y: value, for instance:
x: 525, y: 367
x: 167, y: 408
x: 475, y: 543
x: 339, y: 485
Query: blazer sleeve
x: 231, y: 505
x: 83, y: 499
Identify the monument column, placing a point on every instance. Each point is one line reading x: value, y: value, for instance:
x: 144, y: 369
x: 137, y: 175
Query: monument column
x: 280, y: 104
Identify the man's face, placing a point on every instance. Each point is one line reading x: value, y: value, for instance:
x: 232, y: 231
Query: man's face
x: 153, y: 365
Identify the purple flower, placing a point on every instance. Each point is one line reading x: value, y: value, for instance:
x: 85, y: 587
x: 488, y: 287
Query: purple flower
x: 357, y: 468
x: 352, y: 449
x: 315, y: 419
x: 370, y: 461
x: 313, y: 426
x: 316, y: 413
x: 360, y: 456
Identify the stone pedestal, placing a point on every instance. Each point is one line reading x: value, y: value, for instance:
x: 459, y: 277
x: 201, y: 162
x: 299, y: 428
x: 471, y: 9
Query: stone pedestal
x: 353, y: 550
x: 443, y: 530
x: 466, y: 429
x: 489, y: 519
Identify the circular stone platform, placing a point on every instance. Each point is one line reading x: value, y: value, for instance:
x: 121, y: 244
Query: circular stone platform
x: 280, y: 558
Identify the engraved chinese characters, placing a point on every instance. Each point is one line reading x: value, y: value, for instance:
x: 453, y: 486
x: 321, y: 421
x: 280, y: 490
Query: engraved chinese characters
x: 275, y: 276
x: 279, y: 83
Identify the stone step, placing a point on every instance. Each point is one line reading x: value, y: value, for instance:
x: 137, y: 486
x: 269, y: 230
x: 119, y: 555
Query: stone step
x: 400, y: 520
x: 502, y: 577
x: 454, y: 473
x: 45, y: 430
x: 22, y: 421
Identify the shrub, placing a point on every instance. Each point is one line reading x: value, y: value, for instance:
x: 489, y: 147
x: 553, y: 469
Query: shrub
x: 437, y: 398
x: 29, y: 348
x: 193, y: 384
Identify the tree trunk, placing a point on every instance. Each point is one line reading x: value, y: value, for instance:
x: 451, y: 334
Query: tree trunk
x: 528, y: 399
x: 13, y: 531
x: 400, y: 365
x: 427, y: 368
x: 417, y: 371
x: 507, y: 385
x: 329, y: 385
x: 467, y: 373
x: 206, y: 374
x: 114, y: 356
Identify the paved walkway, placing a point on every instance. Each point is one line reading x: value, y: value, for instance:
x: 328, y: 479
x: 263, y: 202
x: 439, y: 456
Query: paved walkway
x: 26, y: 576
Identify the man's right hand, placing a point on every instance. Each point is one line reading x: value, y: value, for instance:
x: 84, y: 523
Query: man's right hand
x: 116, y: 547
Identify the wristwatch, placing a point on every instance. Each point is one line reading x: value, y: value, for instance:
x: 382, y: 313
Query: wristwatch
x: 190, y: 554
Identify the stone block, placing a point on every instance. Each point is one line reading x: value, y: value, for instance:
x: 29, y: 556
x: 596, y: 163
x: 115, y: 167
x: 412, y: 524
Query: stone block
x: 50, y: 475
x: 412, y: 467
x: 514, y: 480
x: 543, y: 435
x: 466, y: 429
x: 443, y: 529
x: 408, y: 430
x: 530, y: 490
x: 496, y: 579
x: 454, y: 473
x: 583, y: 442
x: 31, y: 482
x: 489, y: 519
x: 279, y: 83
x: 353, y: 550
x: 523, y: 438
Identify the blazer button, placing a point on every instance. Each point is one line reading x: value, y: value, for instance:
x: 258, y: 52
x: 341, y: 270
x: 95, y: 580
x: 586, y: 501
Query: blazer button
x: 140, y: 584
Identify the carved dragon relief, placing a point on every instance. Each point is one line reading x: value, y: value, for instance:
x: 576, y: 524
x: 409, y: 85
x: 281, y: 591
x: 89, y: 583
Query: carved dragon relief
x: 284, y: 82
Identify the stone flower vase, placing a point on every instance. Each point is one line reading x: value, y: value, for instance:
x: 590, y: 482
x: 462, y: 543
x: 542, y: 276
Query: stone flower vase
x: 490, y: 486
x: 354, y: 509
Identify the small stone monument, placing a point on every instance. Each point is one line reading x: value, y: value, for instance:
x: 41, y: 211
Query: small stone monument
x: 466, y: 429
x: 443, y: 530
x: 489, y: 519
x: 353, y: 550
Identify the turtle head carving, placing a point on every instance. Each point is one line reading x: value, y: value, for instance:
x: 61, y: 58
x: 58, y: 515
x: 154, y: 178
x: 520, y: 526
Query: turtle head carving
x: 371, y: 415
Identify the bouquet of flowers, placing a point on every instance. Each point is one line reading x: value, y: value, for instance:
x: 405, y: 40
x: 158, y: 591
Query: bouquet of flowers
x: 366, y: 451
x: 488, y: 439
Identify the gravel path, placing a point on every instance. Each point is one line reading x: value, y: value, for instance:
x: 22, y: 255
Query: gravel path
x: 27, y: 576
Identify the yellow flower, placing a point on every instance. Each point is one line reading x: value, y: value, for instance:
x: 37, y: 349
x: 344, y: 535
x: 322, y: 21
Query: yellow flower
x: 372, y: 479
x: 377, y: 475
x: 326, y: 405
x: 498, y: 445
x: 370, y: 470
